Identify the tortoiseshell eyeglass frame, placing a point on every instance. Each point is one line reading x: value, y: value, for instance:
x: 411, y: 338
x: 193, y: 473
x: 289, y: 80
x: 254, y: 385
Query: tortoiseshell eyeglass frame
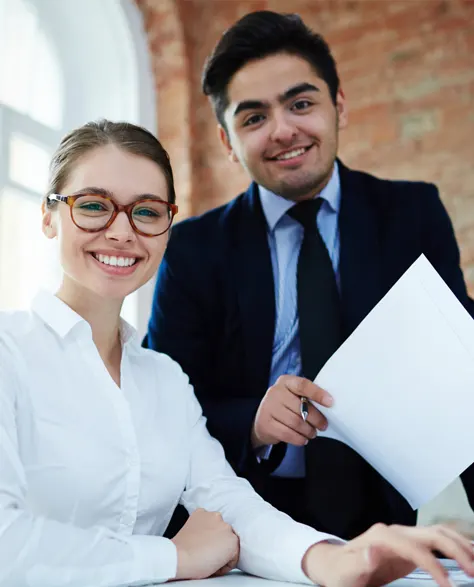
x: 70, y: 200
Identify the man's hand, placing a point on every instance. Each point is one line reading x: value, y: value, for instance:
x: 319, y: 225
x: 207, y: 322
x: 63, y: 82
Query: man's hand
x: 386, y: 553
x: 206, y: 546
x: 278, y: 417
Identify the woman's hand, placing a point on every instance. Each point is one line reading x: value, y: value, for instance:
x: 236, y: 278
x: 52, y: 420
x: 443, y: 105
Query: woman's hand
x: 385, y: 553
x: 206, y: 546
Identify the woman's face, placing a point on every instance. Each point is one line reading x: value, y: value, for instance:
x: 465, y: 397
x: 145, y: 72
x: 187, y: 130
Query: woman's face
x: 127, y: 177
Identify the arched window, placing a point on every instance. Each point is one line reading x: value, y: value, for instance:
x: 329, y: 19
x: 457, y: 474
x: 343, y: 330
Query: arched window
x: 31, y: 121
x: 61, y: 64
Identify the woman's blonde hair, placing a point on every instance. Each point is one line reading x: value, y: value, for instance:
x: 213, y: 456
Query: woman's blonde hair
x: 129, y: 137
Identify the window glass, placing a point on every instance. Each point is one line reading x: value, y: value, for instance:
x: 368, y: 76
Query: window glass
x: 28, y: 163
x: 30, y: 80
x: 27, y: 258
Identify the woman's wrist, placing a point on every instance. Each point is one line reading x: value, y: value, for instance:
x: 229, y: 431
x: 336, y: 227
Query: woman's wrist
x: 317, y: 560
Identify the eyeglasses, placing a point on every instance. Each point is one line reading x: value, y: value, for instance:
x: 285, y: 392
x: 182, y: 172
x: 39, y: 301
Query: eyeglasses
x: 94, y: 212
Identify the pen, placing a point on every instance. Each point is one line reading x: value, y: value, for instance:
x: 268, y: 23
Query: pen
x: 304, y: 408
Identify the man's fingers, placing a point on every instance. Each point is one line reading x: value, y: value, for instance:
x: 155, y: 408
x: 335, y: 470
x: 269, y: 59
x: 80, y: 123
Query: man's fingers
x: 286, y: 434
x: 295, y: 422
x: 319, y: 395
x: 306, y: 388
x: 289, y: 415
x: 279, y: 416
x: 316, y: 419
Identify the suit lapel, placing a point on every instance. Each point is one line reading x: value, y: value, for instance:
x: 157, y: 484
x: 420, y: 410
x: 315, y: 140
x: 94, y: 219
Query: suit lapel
x: 255, y: 288
x: 360, y: 263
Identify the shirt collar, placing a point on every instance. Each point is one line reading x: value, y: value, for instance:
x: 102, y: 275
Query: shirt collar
x: 62, y: 319
x: 275, y: 207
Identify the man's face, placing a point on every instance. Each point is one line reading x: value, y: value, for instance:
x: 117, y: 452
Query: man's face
x: 282, y: 125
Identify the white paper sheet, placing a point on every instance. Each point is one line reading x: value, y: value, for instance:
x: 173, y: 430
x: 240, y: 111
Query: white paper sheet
x: 403, y: 384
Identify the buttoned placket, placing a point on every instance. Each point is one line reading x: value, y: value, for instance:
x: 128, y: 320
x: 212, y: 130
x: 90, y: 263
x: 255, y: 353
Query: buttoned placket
x: 123, y: 413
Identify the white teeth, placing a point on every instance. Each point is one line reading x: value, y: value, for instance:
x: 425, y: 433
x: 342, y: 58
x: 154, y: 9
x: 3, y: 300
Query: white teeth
x: 116, y: 261
x: 291, y: 154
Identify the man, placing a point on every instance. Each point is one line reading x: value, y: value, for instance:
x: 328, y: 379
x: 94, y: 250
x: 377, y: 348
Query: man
x: 253, y: 297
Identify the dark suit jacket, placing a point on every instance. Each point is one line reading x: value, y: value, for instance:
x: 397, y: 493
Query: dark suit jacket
x: 214, y: 308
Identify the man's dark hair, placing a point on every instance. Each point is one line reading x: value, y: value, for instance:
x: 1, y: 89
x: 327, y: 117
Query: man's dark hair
x: 261, y: 34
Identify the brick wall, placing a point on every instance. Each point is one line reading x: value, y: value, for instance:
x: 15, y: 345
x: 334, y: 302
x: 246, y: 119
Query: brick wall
x: 407, y: 69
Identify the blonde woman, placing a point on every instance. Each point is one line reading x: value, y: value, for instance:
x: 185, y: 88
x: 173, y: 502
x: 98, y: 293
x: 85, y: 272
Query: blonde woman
x: 100, y: 439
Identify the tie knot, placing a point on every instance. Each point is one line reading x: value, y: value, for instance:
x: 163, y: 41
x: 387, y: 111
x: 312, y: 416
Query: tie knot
x: 305, y: 212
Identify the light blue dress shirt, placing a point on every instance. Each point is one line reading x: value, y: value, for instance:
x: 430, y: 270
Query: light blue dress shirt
x: 285, y: 235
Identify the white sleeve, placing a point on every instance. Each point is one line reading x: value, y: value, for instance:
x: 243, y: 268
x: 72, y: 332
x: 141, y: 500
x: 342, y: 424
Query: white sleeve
x: 272, y: 545
x: 36, y: 551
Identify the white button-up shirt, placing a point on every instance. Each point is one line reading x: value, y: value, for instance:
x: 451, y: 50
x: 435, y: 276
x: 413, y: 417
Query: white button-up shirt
x: 91, y: 473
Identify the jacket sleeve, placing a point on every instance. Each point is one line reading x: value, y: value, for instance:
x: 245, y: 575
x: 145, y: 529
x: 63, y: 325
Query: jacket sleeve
x: 186, y: 324
x: 38, y: 551
x: 441, y: 247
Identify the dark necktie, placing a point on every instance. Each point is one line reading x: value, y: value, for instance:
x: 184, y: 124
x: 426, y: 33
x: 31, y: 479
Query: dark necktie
x: 335, y: 489
x: 318, y: 297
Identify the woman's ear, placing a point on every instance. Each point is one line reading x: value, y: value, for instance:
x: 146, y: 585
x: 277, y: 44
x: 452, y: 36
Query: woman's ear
x: 48, y: 223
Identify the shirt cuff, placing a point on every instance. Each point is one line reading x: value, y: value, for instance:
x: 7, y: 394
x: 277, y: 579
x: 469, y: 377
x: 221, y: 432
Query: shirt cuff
x: 156, y: 558
x: 262, y: 453
x: 296, y: 546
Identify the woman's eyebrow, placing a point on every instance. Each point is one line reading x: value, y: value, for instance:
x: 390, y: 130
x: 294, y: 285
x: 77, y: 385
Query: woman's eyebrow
x: 104, y: 192
x: 93, y: 190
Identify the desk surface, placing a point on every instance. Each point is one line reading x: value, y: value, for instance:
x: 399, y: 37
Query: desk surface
x: 238, y: 579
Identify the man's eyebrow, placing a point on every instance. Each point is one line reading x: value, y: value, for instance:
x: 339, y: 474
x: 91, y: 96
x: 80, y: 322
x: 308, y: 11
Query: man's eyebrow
x: 287, y: 95
x: 250, y: 105
x: 298, y: 89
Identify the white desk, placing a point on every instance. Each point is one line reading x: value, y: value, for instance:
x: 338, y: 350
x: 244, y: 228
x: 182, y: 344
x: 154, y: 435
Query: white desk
x: 238, y: 579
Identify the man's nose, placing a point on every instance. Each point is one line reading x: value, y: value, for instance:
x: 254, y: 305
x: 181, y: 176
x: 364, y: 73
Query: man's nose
x: 283, y: 131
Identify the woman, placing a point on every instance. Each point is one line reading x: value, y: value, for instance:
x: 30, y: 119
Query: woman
x: 100, y: 438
